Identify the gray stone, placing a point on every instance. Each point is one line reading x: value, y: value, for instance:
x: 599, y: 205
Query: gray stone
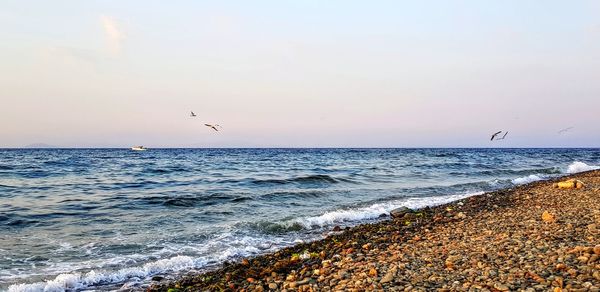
x: 400, y: 212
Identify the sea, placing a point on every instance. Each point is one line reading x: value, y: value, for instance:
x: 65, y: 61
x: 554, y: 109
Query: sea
x: 110, y: 219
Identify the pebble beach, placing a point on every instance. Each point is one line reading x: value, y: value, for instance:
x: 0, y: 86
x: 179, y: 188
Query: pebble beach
x: 533, y: 237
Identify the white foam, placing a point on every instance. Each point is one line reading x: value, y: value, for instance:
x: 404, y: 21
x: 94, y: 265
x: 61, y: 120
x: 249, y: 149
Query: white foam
x: 28, y: 287
x: 418, y: 203
x: 579, y: 166
x: 375, y: 210
x: 494, y: 183
x: 338, y: 216
x: 245, y: 249
x: 526, y: 179
x: 574, y: 167
x: 223, y: 247
x: 69, y: 281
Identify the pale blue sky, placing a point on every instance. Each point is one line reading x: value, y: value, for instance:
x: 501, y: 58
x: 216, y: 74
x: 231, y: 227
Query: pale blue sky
x: 299, y: 73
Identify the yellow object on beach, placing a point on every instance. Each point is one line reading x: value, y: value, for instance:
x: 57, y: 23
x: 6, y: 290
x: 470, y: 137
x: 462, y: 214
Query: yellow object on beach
x: 547, y: 217
x: 569, y: 184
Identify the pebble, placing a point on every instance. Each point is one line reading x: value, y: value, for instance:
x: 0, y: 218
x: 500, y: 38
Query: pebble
x: 501, y: 287
x: 400, y: 212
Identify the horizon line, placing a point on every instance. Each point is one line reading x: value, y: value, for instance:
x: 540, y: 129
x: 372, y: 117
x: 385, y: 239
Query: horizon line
x: 285, y: 147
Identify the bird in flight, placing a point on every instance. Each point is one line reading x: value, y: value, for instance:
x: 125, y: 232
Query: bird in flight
x: 565, y: 130
x: 494, y: 135
x: 506, y: 133
x: 214, y: 127
x: 192, y: 114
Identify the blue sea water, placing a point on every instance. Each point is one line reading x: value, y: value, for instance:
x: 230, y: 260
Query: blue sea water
x: 97, y: 219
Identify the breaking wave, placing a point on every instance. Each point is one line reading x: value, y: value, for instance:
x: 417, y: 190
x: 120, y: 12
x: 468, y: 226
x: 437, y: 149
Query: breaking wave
x: 374, y: 211
x: 527, y: 179
x: 579, y: 166
x: 573, y: 168
x: 76, y: 281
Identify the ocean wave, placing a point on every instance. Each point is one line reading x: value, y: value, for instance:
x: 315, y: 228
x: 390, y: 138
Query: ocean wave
x: 165, y: 170
x: 223, y: 247
x: 348, y: 216
x: 20, y: 223
x: 6, y: 167
x: 187, y: 201
x: 527, y: 179
x: 32, y: 174
x: 294, y: 194
x: 15, y: 219
x: 269, y: 227
x: 546, y: 170
x: 309, y: 179
x: 574, y: 167
x: 376, y: 210
x: 76, y: 281
x: 241, y: 199
x: 579, y: 166
x: 57, y: 163
x: 156, y: 171
x: 447, y: 154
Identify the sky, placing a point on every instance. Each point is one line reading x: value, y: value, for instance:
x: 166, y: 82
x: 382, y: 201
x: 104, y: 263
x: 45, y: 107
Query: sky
x: 299, y: 73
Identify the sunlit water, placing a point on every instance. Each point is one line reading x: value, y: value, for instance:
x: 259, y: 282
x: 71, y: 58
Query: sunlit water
x: 104, y: 219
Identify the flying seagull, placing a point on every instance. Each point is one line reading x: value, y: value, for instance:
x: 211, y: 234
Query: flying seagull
x: 495, y: 134
x: 506, y: 133
x: 214, y: 127
x: 565, y: 130
x: 192, y: 114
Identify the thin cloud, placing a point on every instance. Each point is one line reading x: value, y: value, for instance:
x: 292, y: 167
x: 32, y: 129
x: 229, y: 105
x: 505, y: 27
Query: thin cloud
x: 114, y: 34
x: 73, y: 53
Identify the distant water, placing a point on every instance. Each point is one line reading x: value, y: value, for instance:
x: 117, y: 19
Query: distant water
x: 105, y: 219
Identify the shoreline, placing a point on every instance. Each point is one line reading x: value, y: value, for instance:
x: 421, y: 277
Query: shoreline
x: 496, y: 241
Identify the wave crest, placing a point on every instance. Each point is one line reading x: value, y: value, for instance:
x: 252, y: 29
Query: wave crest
x: 375, y: 210
x: 75, y: 281
x: 579, y: 166
x: 527, y: 179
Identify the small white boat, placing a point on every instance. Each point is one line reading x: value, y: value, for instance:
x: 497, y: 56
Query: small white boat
x: 138, y: 148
